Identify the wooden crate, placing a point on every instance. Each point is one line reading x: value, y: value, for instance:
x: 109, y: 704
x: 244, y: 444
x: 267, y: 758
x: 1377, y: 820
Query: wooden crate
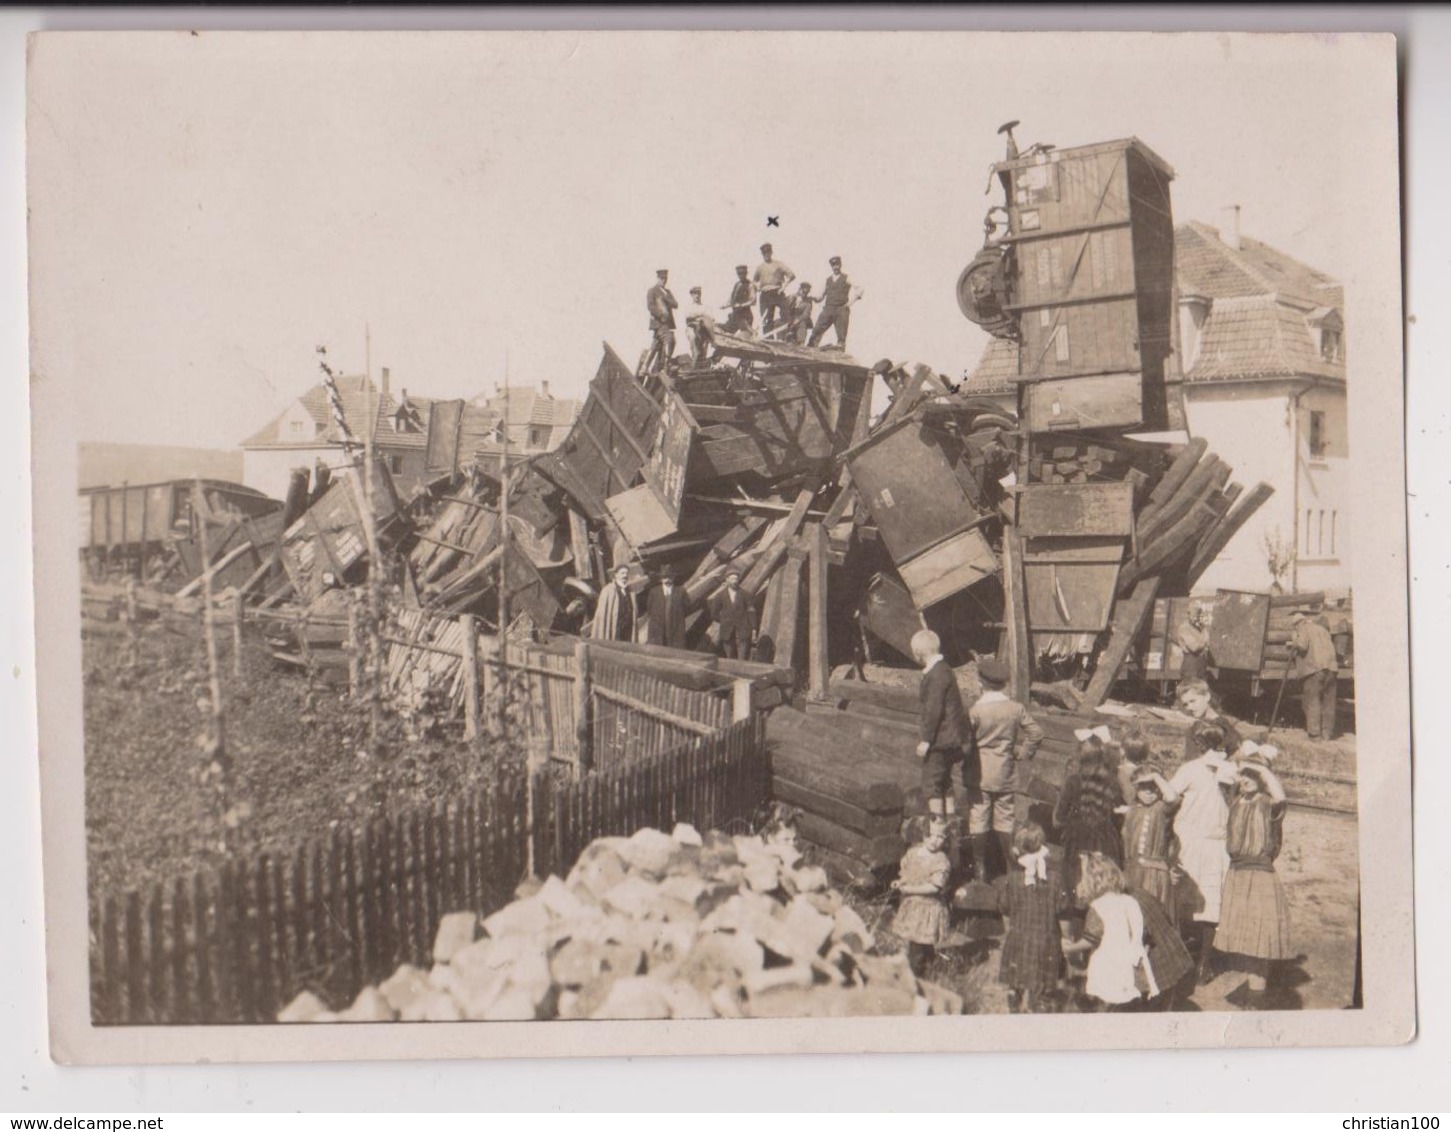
x: 1093, y: 243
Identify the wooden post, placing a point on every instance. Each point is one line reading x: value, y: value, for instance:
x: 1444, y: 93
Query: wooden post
x: 1129, y: 616
x: 740, y: 700
x: 354, y: 667
x: 217, y: 738
x: 583, y: 731
x: 820, y: 663
x: 1015, y: 603
x: 471, y: 675
x: 237, y: 634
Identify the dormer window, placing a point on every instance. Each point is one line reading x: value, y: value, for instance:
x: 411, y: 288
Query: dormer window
x: 1329, y: 330
x: 317, y: 427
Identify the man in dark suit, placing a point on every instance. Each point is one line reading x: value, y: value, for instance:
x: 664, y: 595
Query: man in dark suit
x: 665, y: 613
x: 735, y: 619
x: 943, y: 727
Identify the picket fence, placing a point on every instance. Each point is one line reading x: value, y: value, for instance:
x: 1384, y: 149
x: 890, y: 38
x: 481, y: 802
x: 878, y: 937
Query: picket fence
x: 236, y: 944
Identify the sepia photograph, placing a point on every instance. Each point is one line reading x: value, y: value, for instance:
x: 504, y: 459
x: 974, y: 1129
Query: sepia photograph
x: 865, y: 533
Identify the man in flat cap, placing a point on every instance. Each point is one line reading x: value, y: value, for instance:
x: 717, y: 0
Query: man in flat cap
x: 998, y: 726
x: 837, y: 298
x: 798, y: 314
x: 661, y: 304
x: 771, y: 279
x: 1317, y: 668
x: 742, y: 293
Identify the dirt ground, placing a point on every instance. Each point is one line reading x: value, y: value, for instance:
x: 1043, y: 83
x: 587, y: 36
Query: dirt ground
x: 299, y: 760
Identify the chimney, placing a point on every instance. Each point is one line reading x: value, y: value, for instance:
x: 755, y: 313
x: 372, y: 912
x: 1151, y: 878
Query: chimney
x: 1229, y: 226
x: 544, y: 389
x: 385, y: 381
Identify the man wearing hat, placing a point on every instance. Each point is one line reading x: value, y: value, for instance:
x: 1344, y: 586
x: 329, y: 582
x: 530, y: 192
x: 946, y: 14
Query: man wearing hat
x: 742, y: 293
x: 665, y: 612
x: 661, y: 304
x: 836, y: 300
x: 771, y: 278
x: 617, y: 615
x: 698, y: 320
x: 1317, y: 668
x: 1193, y: 639
x: 798, y: 314
x: 998, y: 724
x: 734, y: 617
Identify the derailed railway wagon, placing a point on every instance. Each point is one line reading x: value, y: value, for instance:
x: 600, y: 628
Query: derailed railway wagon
x: 124, y: 528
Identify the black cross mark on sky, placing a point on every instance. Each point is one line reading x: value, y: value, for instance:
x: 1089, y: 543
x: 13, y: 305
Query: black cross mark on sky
x: 773, y: 222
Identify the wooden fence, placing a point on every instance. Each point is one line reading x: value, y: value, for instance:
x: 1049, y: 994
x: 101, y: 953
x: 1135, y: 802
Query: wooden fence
x: 630, y: 714
x: 335, y: 914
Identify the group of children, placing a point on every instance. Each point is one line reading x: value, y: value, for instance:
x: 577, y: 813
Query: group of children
x: 1152, y: 875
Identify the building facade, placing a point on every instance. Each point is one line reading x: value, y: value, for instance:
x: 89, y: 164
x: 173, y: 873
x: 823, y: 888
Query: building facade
x: 305, y: 433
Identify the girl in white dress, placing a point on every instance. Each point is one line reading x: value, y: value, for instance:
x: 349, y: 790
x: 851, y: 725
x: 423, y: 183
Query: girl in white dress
x: 1119, y: 975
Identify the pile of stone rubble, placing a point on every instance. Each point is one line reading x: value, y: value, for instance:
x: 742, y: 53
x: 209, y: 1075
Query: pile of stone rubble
x: 655, y: 926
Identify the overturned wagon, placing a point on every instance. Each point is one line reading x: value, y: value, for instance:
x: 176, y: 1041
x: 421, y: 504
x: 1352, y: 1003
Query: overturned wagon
x: 126, y: 526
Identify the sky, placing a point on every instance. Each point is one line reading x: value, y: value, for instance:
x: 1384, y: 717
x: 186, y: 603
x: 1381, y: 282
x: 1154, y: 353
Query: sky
x: 205, y: 210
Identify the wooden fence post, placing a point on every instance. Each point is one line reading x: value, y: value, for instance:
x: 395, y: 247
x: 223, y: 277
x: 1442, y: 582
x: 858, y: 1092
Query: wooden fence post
x: 354, y: 668
x: 820, y: 666
x: 740, y: 700
x: 471, y: 676
x: 237, y: 634
x: 583, y: 731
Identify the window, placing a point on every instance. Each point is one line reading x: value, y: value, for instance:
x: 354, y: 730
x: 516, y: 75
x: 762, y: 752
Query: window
x: 1320, y: 536
x: 296, y: 427
x: 1333, y: 516
x: 538, y: 436
x: 1318, y: 442
x: 395, y: 465
x: 317, y: 428
x: 1305, y: 539
x: 1329, y: 344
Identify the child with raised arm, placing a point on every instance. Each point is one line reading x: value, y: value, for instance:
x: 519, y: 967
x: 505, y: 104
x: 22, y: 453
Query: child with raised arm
x: 1149, y: 837
x: 1254, y: 916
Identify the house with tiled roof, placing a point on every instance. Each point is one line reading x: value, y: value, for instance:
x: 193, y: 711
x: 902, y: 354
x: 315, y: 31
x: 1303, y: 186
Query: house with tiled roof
x: 1261, y: 339
x: 537, y: 420
x: 305, y: 432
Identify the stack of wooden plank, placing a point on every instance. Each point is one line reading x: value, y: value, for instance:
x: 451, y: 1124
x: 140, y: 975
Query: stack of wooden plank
x: 842, y: 783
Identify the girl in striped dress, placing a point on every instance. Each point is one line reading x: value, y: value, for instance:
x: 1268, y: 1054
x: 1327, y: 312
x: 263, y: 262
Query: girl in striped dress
x: 1254, y: 918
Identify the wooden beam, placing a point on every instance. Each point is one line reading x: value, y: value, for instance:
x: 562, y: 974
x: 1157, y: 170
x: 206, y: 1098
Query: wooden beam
x: 1180, y: 539
x: 1129, y: 617
x: 1222, y: 532
x: 1201, y: 483
x: 773, y: 554
x: 820, y: 665
x: 1173, y: 479
x: 1015, y: 609
x: 788, y: 608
